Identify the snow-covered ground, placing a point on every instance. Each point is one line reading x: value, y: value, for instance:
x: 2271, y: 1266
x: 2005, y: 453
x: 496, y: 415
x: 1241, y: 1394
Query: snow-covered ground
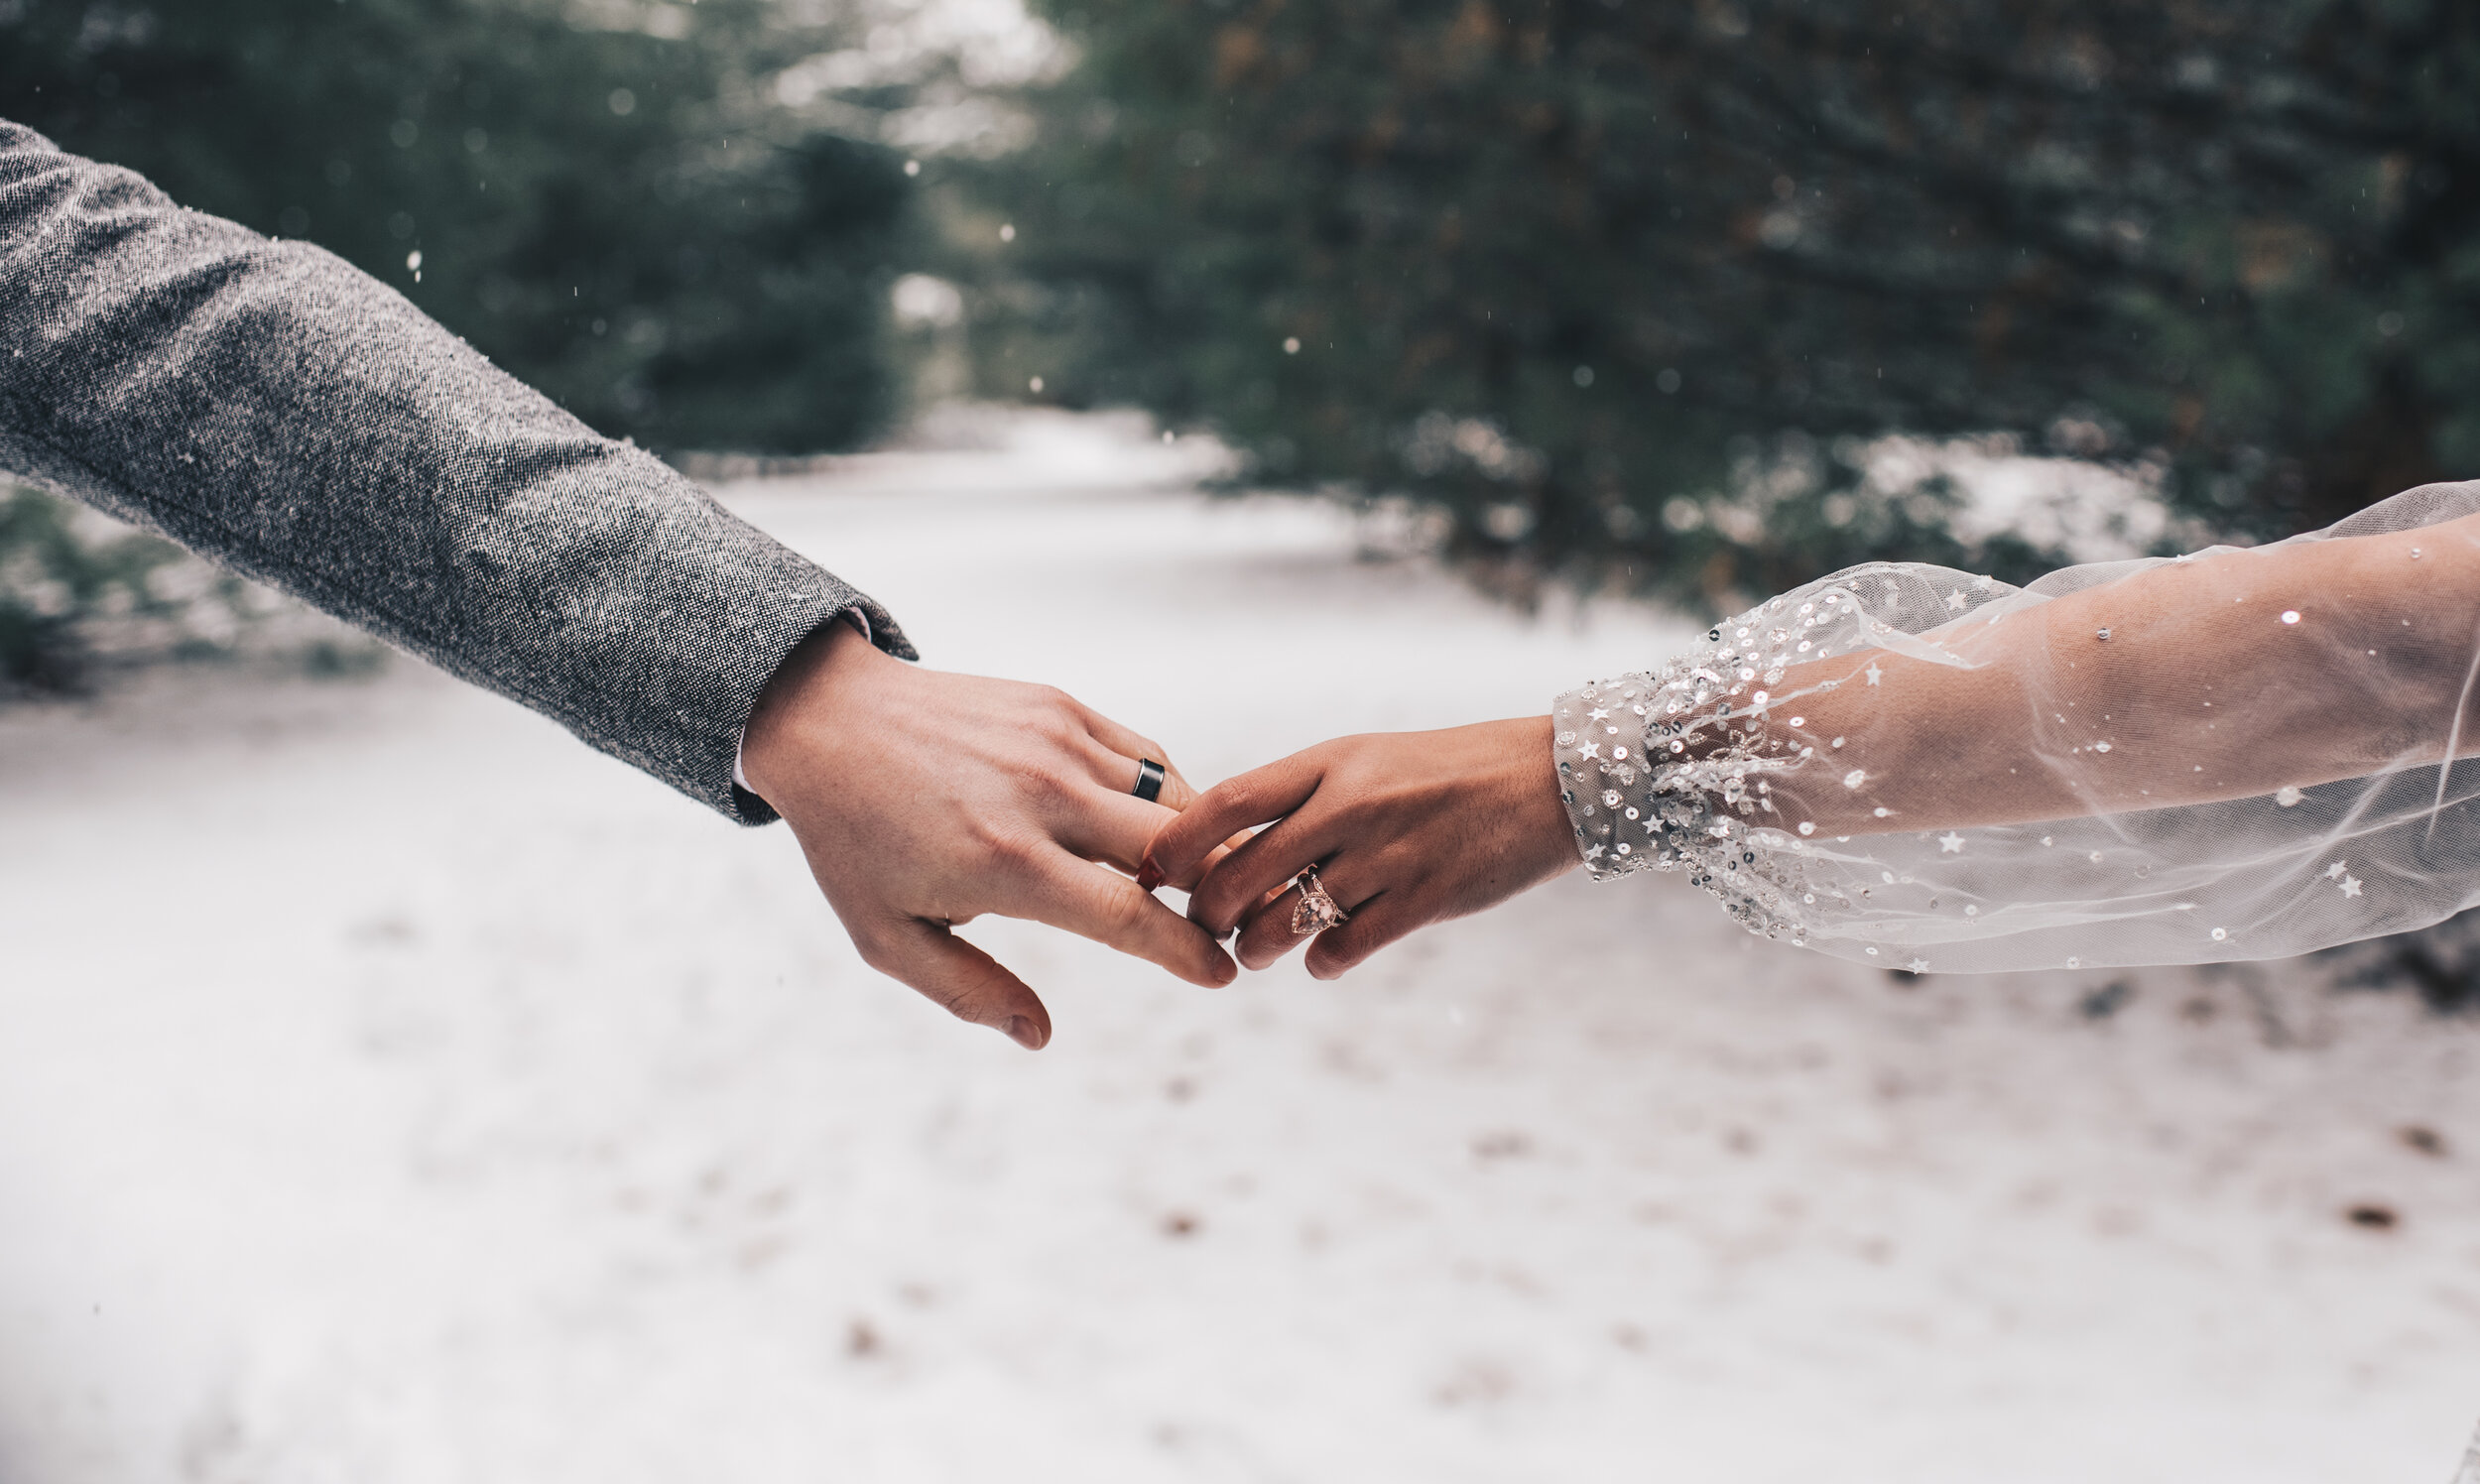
x: 391, y: 1089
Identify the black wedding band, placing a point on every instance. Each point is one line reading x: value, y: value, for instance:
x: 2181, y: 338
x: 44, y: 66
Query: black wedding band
x: 1150, y: 778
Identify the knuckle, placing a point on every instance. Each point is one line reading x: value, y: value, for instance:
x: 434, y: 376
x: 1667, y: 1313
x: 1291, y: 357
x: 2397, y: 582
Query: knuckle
x: 1273, y: 927
x: 1013, y: 853
x: 1048, y: 782
x: 1003, y: 845
x: 1170, y: 846
x: 1218, y: 901
x: 1262, y: 943
x: 1403, y: 867
x: 1127, y: 911
x: 878, y: 950
x: 1193, y: 837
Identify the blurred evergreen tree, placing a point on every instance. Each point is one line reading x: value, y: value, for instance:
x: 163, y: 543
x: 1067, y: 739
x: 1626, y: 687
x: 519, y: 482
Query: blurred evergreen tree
x: 51, y: 577
x: 1582, y: 269
x: 601, y: 196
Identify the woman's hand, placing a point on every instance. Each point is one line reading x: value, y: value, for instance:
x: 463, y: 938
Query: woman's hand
x: 1404, y: 828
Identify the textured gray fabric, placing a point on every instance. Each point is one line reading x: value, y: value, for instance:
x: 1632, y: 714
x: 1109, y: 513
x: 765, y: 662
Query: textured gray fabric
x: 270, y: 406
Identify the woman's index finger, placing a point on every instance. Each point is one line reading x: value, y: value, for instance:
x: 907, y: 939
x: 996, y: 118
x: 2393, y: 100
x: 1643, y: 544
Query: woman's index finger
x: 1223, y: 811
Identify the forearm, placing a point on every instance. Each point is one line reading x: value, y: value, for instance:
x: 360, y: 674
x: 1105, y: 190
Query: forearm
x: 269, y: 406
x: 2217, y: 757
x: 2223, y: 677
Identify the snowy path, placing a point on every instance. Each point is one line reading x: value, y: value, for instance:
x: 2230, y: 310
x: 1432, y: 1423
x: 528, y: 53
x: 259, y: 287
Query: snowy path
x: 390, y: 1090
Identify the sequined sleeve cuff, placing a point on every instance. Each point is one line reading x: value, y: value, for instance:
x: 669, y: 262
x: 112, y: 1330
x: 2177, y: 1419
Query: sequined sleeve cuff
x: 1654, y: 778
x: 1599, y: 731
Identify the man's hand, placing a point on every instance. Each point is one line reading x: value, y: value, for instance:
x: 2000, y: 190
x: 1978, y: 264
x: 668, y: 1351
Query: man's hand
x: 924, y: 800
x: 1404, y: 828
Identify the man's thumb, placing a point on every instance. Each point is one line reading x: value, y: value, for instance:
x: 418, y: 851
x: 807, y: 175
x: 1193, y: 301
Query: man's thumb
x: 971, y: 984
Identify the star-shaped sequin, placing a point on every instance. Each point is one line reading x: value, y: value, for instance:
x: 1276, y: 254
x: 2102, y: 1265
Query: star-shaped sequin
x: 1954, y: 600
x: 2335, y: 871
x: 1950, y: 843
x: 1589, y: 750
x: 1918, y: 965
x: 1873, y: 673
x: 1599, y: 714
x: 2351, y: 886
x: 1592, y: 852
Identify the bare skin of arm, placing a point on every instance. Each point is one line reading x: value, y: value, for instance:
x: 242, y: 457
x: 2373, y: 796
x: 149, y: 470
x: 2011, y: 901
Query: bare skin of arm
x: 2206, y: 689
x: 2223, y: 677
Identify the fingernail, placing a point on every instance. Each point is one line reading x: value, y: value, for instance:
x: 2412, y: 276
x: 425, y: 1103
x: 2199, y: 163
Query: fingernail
x: 1148, y: 875
x: 1022, y: 1029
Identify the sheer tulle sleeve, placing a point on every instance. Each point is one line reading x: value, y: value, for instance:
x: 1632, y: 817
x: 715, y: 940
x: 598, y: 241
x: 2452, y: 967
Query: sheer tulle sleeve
x: 2234, y: 753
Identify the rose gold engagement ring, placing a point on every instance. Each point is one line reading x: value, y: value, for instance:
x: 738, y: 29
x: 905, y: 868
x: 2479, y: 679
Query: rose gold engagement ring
x: 1315, y: 911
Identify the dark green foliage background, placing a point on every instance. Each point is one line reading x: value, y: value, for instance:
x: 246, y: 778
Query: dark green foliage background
x: 2237, y: 236
x: 699, y: 272
x: 51, y: 578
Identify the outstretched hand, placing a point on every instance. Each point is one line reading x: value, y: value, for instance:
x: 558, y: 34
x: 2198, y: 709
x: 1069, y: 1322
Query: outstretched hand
x: 924, y: 800
x: 1404, y: 828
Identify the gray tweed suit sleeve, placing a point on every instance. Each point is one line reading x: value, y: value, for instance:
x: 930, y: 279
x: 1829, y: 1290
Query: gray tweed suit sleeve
x: 270, y: 406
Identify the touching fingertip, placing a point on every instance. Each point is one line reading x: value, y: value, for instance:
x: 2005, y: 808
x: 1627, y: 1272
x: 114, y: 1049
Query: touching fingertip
x: 1022, y: 1029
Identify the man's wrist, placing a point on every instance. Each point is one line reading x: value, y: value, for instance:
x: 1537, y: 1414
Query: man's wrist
x: 772, y: 738
x: 850, y: 620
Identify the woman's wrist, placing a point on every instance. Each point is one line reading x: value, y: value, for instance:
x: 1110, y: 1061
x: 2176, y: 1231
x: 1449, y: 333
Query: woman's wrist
x: 1544, y: 838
